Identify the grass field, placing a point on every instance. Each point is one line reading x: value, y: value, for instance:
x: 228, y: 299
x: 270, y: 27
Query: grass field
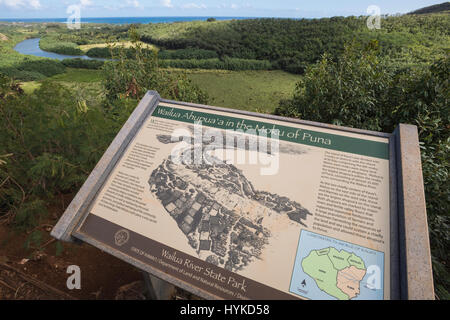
x: 79, y: 75
x: 30, y: 87
x: 71, y: 76
x: 126, y: 44
x: 86, y: 84
x: 258, y: 91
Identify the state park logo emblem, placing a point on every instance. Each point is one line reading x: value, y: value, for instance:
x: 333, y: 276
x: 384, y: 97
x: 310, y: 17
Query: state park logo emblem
x: 121, y: 237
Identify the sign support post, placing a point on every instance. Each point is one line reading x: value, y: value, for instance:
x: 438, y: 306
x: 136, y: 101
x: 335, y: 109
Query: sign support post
x: 158, y: 289
x: 415, y: 253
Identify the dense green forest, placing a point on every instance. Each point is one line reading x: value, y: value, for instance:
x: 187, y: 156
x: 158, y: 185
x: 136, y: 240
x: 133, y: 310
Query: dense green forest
x: 443, y: 7
x: 293, y: 44
x: 360, y: 89
x: 258, y: 44
x: 55, y: 131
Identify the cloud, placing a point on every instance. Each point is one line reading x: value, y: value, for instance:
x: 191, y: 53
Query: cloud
x: 35, y: 4
x: 124, y: 5
x: 133, y: 3
x: 85, y: 3
x: 11, y: 3
x: 167, y: 3
x: 16, y: 4
x: 194, y: 6
x: 235, y: 6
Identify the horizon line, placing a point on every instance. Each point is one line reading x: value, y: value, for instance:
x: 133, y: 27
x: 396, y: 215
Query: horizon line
x: 242, y: 17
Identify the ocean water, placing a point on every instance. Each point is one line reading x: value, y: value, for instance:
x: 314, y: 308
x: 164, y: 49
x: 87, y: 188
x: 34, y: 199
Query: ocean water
x: 122, y: 20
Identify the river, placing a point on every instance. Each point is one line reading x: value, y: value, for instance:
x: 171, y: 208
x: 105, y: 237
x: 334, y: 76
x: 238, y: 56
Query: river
x: 31, y: 47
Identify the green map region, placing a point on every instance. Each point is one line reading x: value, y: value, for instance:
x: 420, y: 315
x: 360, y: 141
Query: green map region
x: 338, y: 273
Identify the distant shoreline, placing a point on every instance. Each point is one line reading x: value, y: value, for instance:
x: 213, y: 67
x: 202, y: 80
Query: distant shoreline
x: 121, y: 20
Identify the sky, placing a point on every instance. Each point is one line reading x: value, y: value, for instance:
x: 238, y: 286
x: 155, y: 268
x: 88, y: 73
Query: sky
x: 205, y: 8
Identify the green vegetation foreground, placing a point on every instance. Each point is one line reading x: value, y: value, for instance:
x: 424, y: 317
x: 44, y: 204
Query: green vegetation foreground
x: 365, y: 91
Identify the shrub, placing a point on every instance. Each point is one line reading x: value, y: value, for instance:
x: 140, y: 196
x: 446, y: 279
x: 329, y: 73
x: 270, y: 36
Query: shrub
x: 246, y: 64
x: 47, y: 67
x: 110, y: 52
x: 81, y: 42
x: 131, y: 78
x: 226, y: 64
x: 292, y: 65
x: 83, y: 63
x: 190, y: 53
x: 66, y: 50
x: 57, y: 46
x: 99, y: 53
x: 32, y: 70
x: 52, y: 141
x: 364, y: 91
x: 16, y: 74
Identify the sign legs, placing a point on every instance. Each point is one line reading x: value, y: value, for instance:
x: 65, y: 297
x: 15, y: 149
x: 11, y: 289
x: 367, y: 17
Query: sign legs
x: 158, y: 289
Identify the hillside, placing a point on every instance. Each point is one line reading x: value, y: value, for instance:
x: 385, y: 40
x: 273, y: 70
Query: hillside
x: 437, y: 8
x: 292, y: 45
x: 238, y: 45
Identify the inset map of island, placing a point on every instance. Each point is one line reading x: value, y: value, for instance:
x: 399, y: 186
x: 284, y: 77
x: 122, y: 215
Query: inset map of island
x: 225, y: 219
x: 327, y: 268
x: 338, y: 273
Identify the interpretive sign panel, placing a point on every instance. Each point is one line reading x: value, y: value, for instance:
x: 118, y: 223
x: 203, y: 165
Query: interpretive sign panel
x: 234, y: 205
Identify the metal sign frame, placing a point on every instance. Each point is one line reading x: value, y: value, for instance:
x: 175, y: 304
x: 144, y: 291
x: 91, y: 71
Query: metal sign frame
x: 411, y: 271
